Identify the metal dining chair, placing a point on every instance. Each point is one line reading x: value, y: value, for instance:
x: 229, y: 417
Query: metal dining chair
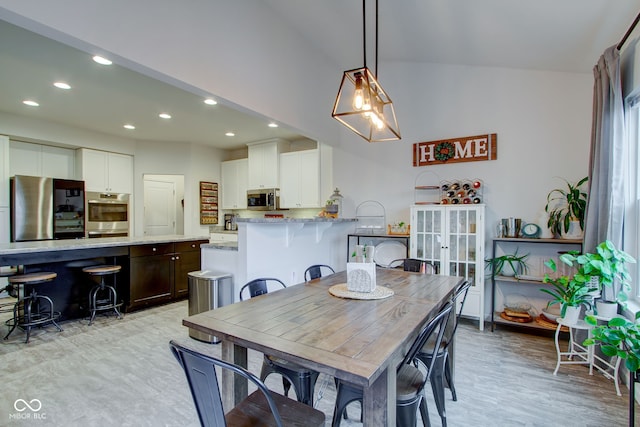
x: 260, y: 286
x: 442, y: 366
x: 302, y: 379
x: 413, y: 264
x: 315, y: 271
x: 254, y: 410
x: 410, y: 380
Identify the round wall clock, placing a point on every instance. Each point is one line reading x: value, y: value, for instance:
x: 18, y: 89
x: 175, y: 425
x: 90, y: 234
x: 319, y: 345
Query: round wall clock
x: 531, y: 230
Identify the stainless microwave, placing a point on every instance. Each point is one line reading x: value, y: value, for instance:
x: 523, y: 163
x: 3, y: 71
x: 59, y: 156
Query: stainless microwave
x: 263, y: 199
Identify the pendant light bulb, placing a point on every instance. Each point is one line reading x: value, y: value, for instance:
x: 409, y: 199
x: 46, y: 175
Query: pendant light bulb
x: 358, y: 100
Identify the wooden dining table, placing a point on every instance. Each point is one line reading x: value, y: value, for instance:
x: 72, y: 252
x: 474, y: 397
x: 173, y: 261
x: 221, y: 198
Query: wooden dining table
x: 359, y: 341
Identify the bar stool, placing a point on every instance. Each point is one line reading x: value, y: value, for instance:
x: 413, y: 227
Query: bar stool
x: 109, y: 301
x: 7, y: 307
x: 33, y: 310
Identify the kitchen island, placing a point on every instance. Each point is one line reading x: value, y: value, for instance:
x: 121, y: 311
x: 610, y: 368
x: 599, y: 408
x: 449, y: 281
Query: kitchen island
x: 279, y: 247
x: 154, y: 268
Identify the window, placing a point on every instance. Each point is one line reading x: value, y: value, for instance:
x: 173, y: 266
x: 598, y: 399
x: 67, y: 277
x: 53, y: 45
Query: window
x: 632, y: 196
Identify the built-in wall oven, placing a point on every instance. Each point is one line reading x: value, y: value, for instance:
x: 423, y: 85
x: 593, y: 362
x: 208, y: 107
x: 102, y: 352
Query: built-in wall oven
x: 107, y: 214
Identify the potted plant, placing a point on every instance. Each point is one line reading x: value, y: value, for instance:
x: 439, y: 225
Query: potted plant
x: 508, y: 264
x: 620, y: 337
x: 566, y: 209
x: 567, y: 292
x: 607, y: 268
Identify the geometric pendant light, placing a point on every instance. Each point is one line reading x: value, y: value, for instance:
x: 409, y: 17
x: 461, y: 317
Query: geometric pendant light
x: 362, y: 105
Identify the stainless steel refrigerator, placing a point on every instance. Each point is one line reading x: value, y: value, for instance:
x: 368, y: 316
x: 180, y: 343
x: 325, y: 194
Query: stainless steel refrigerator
x: 46, y: 208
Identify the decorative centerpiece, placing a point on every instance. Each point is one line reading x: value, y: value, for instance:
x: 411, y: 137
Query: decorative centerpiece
x: 361, y: 275
x: 361, y: 278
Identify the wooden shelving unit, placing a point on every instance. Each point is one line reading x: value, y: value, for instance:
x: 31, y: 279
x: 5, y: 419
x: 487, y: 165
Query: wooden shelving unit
x: 506, y: 285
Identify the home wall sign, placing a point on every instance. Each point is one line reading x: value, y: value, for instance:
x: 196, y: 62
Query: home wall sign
x: 466, y: 149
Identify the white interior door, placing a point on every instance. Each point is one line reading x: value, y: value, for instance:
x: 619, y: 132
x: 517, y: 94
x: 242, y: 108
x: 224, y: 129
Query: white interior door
x: 159, y: 207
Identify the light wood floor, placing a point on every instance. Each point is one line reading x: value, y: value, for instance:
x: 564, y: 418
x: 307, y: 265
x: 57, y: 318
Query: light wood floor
x: 121, y: 373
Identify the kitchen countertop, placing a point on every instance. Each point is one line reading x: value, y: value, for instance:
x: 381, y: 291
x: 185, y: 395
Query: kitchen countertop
x: 293, y: 220
x: 74, y: 244
x: 226, y: 246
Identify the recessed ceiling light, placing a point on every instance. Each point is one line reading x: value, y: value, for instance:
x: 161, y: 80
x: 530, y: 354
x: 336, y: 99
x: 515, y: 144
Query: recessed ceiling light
x: 273, y: 125
x: 230, y: 134
x: 30, y: 103
x: 101, y: 60
x: 130, y: 127
x: 164, y: 116
x: 62, y: 85
x: 210, y: 101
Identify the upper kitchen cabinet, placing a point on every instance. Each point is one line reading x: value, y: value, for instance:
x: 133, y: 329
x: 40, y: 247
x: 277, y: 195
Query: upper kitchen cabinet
x: 4, y: 171
x: 300, y: 179
x: 104, y: 171
x: 264, y: 160
x: 41, y: 160
x: 234, y: 175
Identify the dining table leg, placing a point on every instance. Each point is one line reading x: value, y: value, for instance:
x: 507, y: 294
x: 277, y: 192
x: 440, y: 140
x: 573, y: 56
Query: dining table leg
x: 234, y: 387
x: 379, y: 400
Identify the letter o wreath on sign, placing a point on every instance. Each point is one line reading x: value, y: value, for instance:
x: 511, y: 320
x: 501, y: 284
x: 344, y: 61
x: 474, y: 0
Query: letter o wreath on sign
x: 444, y: 151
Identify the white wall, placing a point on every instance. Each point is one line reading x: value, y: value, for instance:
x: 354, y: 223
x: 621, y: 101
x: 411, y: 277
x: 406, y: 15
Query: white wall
x: 196, y: 162
x: 543, y: 122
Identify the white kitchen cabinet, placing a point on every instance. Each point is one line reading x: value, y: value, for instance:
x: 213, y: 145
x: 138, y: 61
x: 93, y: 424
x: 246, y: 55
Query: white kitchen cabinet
x: 41, y: 160
x: 234, y: 174
x: 4, y: 171
x: 452, y: 239
x: 104, y: 171
x: 4, y: 225
x: 300, y: 179
x: 264, y: 162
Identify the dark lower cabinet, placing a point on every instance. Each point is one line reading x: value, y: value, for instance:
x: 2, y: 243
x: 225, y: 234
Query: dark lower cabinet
x: 187, y: 259
x: 159, y: 272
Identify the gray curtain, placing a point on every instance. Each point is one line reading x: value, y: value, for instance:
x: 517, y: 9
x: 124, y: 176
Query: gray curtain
x: 605, y: 206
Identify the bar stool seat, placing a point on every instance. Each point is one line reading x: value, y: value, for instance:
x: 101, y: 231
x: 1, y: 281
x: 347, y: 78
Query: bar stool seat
x: 33, y: 310
x: 108, y: 301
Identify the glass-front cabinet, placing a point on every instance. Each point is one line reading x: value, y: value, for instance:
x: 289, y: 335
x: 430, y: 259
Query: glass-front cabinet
x: 452, y: 239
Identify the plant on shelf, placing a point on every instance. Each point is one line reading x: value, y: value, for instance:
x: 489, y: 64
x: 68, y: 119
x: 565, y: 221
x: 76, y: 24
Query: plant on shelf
x: 566, y: 291
x: 566, y: 206
x: 607, y: 267
x: 620, y: 337
x: 508, y: 264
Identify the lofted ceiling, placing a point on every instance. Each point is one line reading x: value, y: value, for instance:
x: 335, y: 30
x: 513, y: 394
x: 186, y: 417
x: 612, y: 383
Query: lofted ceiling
x: 552, y: 35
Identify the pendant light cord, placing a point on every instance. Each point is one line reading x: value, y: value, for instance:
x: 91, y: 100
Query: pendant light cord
x: 376, y: 75
x: 364, y: 33
x: 364, y: 36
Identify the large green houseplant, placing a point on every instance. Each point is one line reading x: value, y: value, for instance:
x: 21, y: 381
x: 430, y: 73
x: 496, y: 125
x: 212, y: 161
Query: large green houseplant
x: 567, y: 292
x: 608, y: 264
x: 566, y: 205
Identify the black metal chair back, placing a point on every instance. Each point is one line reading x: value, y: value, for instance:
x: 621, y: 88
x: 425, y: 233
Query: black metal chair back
x: 413, y: 264
x: 203, y: 383
x: 315, y: 271
x: 436, y: 325
x: 259, y: 286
